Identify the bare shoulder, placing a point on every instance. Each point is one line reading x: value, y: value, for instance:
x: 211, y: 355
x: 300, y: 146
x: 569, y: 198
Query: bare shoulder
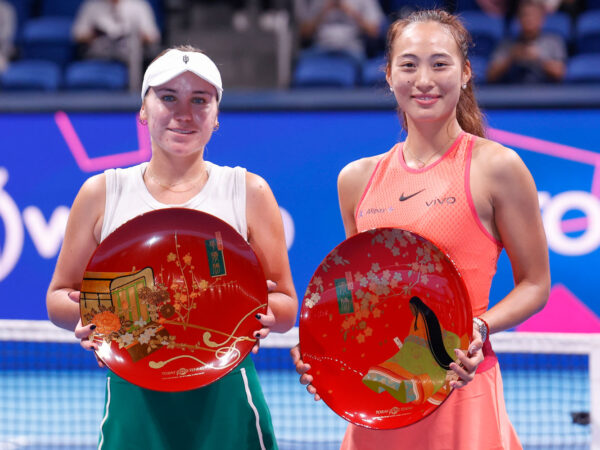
x: 256, y: 186
x: 91, y: 197
x: 94, y: 186
x: 260, y: 200
x: 262, y: 212
x: 359, y: 171
x: 496, y: 161
x: 352, y: 182
x: 87, y: 212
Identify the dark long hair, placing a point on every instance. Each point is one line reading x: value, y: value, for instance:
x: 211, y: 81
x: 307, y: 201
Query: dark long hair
x: 468, y: 114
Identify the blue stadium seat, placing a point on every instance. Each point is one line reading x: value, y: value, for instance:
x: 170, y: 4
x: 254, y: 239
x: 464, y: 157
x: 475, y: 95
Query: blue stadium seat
x: 587, y: 32
x: 48, y: 38
x: 31, y: 75
x: 315, y: 69
x: 67, y: 8
x: 557, y: 23
x: 584, y: 68
x: 373, y: 72
x: 94, y: 74
x: 486, y: 31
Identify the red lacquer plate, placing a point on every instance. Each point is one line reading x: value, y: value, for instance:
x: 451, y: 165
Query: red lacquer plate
x: 379, y: 323
x: 173, y: 294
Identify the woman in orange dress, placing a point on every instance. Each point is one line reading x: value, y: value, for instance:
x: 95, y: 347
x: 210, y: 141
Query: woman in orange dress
x: 472, y: 197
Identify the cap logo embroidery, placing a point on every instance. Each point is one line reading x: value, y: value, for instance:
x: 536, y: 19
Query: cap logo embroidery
x: 186, y: 58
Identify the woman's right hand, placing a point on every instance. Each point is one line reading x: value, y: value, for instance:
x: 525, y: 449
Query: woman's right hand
x: 82, y: 333
x: 302, y: 368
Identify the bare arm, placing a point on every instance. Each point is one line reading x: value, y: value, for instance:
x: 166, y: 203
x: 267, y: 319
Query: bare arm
x: 555, y: 69
x: 518, y: 224
x: 81, y: 239
x: 497, y: 68
x: 83, y: 27
x: 265, y: 234
x: 308, y: 27
x: 352, y: 182
x: 502, y: 62
x: 368, y: 27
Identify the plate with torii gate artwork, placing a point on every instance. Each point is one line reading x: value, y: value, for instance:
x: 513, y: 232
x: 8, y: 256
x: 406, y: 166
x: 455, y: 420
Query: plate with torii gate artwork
x: 174, y: 295
x: 379, y: 323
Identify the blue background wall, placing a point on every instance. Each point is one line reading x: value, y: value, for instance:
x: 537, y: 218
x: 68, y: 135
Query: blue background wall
x: 300, y: 155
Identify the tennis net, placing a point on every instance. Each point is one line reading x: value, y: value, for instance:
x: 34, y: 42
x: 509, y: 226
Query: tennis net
x: 52, y: 391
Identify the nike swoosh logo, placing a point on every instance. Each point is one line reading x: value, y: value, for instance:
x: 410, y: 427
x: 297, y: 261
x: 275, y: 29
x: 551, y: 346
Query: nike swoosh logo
x: 403, y: 198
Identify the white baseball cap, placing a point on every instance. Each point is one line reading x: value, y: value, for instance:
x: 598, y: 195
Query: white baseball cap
x: 174, y: 63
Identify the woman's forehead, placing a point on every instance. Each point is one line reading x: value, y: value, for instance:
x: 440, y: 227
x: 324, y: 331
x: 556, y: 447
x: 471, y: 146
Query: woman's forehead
x: 425, y: 35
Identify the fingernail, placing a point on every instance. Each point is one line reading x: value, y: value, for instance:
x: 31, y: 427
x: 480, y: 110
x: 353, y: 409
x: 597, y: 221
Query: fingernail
x: 258, y: 316
x: 93, y: 327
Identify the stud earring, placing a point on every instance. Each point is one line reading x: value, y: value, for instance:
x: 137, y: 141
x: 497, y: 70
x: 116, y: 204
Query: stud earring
x: 391, y: 89
x: 216, y: 126
x: 464, y: 86
x: 143, y: 122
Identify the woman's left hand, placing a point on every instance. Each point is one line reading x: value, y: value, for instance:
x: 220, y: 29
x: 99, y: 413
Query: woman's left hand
x: 267, y: 320
x: 468, y: 362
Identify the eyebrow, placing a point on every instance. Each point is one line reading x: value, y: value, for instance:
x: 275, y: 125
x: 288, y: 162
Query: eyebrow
x: 435, y: 55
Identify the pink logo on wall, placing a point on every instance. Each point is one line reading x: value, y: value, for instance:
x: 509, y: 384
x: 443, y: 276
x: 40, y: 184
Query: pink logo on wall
x: 88, y: 164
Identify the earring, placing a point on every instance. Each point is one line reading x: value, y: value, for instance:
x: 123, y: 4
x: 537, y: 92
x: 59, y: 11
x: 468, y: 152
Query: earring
x: 142, y: 122
x: 464, y: 86
x: 391, y: 89
x: 216, y: 126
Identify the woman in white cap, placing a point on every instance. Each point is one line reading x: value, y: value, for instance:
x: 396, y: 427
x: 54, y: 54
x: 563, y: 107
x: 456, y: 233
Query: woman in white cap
x: 180, y: 104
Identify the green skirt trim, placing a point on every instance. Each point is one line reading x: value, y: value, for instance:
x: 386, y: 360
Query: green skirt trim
x: 230, y: 413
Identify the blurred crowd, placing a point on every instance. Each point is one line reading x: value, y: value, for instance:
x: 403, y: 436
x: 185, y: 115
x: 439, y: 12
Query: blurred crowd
x: 103, y: 44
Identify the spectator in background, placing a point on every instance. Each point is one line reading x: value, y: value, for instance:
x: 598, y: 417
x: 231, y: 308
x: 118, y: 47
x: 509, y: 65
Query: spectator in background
x: 532, y: 57
x: 8, y: 25
x: 340, y: 25
x: 105, y: 28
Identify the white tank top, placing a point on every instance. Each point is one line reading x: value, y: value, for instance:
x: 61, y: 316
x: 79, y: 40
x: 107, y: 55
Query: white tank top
x: 223, y: 196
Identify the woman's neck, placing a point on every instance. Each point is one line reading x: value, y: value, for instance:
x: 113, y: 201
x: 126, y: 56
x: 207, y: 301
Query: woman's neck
x: 427, y: 139
x: 172, y: 170
x: 175, y: 180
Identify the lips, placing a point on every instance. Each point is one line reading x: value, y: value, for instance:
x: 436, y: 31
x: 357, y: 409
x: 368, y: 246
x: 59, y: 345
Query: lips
x: 181, y: 131
x: 426, y: 99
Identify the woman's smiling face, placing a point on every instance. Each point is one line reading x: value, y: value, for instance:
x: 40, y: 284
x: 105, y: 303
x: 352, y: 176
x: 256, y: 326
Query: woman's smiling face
x: 181, y: 114
x: 426, y: 72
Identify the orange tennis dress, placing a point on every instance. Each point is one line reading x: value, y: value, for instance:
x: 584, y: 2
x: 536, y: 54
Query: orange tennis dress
x: 436, y: 203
